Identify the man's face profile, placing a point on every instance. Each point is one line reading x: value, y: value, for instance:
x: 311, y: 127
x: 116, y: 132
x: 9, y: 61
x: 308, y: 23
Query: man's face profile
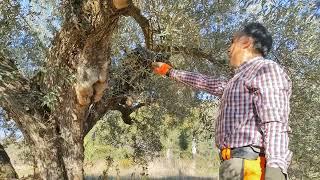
x: 239, y: 45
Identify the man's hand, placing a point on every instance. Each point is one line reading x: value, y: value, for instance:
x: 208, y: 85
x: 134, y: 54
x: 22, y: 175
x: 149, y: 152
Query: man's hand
x: 161, y: 68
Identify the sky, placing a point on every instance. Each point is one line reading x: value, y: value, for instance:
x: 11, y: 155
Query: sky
x: 3, y: 123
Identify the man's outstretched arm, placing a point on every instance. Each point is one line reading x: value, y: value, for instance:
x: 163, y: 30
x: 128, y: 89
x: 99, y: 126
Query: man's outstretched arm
x: 209, y: 84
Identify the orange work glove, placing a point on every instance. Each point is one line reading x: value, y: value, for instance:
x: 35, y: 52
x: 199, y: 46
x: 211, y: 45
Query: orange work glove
x: 161, y: 68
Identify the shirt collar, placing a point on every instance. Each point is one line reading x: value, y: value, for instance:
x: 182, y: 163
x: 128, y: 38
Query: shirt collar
x: 247, y: 63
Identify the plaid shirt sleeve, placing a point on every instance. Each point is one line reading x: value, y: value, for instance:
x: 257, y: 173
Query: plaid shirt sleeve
x: 209, y: 84
x: 272, y: 92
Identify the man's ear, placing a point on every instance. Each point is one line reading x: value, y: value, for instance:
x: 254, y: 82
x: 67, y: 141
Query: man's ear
x: 246, y: 42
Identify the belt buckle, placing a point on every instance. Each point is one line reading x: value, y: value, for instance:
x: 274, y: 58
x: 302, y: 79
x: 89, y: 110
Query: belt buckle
x: 225, y: 154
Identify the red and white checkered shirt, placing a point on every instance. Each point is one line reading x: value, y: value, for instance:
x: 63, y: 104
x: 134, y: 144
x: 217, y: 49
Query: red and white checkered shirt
x: 254, y: 108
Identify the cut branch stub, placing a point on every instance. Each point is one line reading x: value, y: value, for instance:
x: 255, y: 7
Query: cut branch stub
x: 120, y: 4
x: 127, y: 107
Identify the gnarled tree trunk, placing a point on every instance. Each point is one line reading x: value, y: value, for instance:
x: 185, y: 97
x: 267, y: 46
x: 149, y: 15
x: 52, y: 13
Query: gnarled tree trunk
x: 56, y: 129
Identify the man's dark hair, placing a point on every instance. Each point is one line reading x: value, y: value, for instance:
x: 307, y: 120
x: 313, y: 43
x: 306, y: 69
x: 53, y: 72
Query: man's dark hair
x: 262, y: 38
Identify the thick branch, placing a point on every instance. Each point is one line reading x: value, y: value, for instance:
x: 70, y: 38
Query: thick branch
x: 194, y: 52
x: 127, y: 107
x: 120, y: 103
x: 143, y: 22
x: 17, y: 98
x: 11, y: 80
x: 98, y: 110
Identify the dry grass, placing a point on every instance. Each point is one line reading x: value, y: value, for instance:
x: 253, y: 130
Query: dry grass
x: 158, y: 169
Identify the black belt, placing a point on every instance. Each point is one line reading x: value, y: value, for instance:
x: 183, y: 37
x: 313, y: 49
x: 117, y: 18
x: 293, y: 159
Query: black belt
x: 247, y: 152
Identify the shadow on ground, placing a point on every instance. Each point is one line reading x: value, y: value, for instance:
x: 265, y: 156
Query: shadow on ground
x: 155, y: 178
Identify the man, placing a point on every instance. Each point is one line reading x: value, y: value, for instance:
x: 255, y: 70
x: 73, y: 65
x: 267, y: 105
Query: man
x: 252, y: 125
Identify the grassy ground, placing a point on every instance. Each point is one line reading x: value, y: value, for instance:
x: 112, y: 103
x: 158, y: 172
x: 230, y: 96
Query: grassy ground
x: 161, y: 168
x: 158, y: 169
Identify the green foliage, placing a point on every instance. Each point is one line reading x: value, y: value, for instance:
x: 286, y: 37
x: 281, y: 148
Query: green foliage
x: 50, y: 99
x: 140, y: 142
x: 152, y: 134
x: 183, y: 140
